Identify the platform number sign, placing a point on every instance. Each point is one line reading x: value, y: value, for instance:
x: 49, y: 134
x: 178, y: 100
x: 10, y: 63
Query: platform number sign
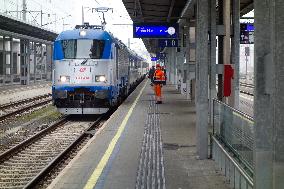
x: 168, y: 43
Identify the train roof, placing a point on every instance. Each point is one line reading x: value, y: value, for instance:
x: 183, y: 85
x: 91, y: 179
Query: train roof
x: 94, y: 32
x: 90, y: 34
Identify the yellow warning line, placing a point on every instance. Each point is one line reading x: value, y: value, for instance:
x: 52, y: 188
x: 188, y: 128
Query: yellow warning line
x: 100, y: 167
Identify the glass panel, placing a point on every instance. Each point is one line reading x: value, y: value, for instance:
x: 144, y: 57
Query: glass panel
x: 235, y: 130
x: 83, y: 49
x: 97, y: 49
x: 69, y: 48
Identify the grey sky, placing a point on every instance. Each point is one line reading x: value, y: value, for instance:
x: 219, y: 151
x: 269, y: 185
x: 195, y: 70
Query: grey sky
x: 59, y: 15
x: 118, y: 16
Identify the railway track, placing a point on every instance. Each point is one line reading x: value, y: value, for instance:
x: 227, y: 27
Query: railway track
x: 248, y: 91
x: 248, y: 85
x: 247, y: 88
x: 26, y: 164
x: 15, y: 108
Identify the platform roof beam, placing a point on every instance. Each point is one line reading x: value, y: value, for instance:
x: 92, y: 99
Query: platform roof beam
x: 170, y: 10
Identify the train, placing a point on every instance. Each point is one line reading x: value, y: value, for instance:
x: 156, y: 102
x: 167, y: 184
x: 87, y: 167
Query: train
x: 92, y: 70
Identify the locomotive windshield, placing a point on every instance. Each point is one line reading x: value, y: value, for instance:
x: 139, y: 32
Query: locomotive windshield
x: 83, y: 48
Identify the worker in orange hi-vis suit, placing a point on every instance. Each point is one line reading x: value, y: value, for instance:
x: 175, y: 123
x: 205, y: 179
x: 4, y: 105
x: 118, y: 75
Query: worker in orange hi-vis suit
x: 159, y: 79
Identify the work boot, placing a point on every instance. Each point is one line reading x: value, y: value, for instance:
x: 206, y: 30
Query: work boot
x: 159, y: 102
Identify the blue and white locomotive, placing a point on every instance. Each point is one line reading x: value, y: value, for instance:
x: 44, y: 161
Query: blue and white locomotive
x: 92, y: 71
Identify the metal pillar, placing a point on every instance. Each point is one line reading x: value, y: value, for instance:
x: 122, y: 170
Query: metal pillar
x: 168, y: 66
x: 186, y: 81
x: 4, y: 59
x: 49, y: 63
x: 220, y: 51
x: 25, y: 62
x: 82, y: 15
x: 180, y: 59
x: 212, y: 67
x: 236, y: 51
x: 202, y: 78
x: 28, y: 62
x: 192, y: 59
x: 2, y: 66
x: 269, y: 94
x: 24, y: 10
x: 227, y: 42
x: 7, y: 58
x: 11, y: 60
x: 175, y: 67
x: 172, y: 76
x: 34, y: 47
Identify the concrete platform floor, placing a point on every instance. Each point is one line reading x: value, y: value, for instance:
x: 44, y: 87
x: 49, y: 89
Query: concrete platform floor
x: 144, y: 145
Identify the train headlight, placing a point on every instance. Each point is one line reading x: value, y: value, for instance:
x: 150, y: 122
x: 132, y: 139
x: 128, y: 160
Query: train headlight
x: 100, y: 78
x: 64, y: 78
x: 82, y: 33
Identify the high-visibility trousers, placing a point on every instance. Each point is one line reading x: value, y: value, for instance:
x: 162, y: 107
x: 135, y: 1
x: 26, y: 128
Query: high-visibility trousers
x: 158, y: 91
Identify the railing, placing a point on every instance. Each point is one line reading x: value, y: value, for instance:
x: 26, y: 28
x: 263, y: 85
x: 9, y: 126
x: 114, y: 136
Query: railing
x: 232, y: 142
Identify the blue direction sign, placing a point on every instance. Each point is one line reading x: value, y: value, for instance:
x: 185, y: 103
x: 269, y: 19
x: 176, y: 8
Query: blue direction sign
x: 154, y: 58
x: 155, y: 30
x: 247, y: 27
x: 168, y: 43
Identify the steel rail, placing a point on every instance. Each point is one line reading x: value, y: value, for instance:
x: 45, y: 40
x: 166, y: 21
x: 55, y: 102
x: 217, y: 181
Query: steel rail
x: 28, y: 141
x: 245, y: 85
x: 24, y: 101
x: 248, y: 85
x: 3, y: 117
x: 40, y: 176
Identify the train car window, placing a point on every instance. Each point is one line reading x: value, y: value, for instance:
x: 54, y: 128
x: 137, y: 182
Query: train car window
x: 97, y: 49
x: 116, y: 62
x: 69, y: 48
x: 83, y: 48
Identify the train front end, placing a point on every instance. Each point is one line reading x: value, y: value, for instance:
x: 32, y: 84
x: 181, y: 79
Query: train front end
x: 82, y: 73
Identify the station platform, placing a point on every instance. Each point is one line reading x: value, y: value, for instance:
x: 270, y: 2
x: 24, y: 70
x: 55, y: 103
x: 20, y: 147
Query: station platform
x: 13, y: 93
x: 144, y: 145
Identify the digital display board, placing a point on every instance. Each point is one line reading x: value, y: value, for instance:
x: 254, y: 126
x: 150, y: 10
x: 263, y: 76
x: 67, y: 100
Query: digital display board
x: 155, y: 30
x: 247, y: 27
x: 246, y: 33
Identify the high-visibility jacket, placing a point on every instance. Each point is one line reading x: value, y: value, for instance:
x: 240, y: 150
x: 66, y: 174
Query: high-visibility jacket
x: 159, y: 77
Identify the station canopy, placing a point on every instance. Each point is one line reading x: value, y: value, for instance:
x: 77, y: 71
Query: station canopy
x: 170, y: 11
x: 11, y: 26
